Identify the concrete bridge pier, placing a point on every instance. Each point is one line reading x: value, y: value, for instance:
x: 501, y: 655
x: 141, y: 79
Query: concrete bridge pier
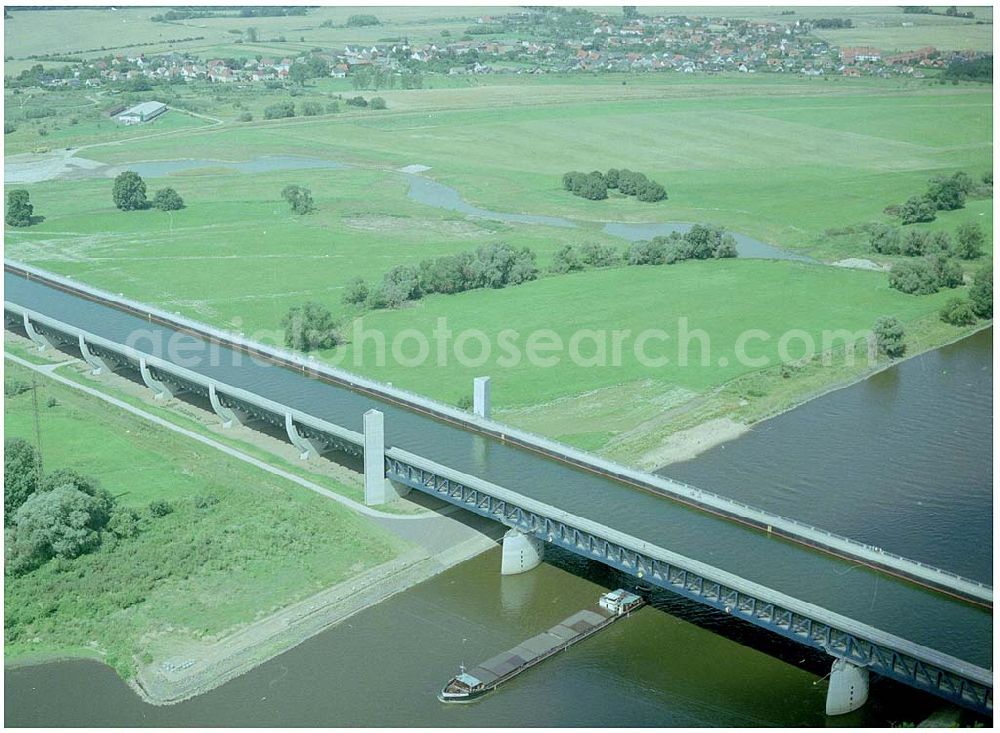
x: 160, y: 389
x: 481, y: 396
x: 305, y: 445
x: 96, y: 363
x: 378, y: 488
x: 228, y: 415
x: 848, y: 688
x: 521, y: 552
x: 40, y: 341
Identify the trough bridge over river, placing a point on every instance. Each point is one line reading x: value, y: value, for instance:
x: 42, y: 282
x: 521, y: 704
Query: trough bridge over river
x: 872, y: 611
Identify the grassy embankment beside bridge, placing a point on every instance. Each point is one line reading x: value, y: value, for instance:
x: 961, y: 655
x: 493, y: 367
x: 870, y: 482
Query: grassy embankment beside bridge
x: 238, y: 545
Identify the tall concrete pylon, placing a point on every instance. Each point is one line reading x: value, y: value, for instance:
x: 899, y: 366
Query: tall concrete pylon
x: 481, y: 396
x: 377, y: 488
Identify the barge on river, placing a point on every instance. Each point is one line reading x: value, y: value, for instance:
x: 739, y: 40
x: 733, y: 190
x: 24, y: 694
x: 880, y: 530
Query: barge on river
x: 485, y: 677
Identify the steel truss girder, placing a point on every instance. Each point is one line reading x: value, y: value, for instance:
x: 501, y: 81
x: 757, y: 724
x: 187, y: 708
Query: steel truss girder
x: 758, y: 611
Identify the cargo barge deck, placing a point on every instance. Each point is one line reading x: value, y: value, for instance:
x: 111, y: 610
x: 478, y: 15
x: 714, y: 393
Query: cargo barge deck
x: 470, y: 685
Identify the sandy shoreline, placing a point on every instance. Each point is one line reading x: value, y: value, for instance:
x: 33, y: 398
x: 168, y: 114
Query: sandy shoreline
x: 686, y: 444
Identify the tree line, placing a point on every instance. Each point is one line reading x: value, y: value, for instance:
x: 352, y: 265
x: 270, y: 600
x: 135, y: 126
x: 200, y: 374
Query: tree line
x: 496, y: 265
x: 286, y: 108
x: 595, y: 185
x: 968, y: 244
x: 979, y: 304
x: 979, y: 69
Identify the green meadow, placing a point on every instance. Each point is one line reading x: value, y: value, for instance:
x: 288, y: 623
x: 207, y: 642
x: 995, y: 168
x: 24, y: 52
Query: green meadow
x: 800, y: 164
x: 721, y: 298
x: 238, y: 545
x: 130, y: 29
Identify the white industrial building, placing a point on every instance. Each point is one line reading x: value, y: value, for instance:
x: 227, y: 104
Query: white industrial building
x: 142, y: 113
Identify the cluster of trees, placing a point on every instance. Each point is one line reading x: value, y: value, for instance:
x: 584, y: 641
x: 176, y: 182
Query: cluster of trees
x: 832, y: 23
x: 595, y: 185
x: 361, y: 19
x: 889, y: 240
x: 495, y: 265
x: 273, y: 11
x: 175, y: 15
x: 979, y: 304
x: 359, y: 101
x: 19, y: 208
x: 129, y: 193
x: 299, y: 198
x: 700, y: 242
x: 279, y: 110
x: 635, y: 184
x: 889, y: 337
x: 591, y: 186
x: 313, y: 67
x: 979, y: 69
x: 591, y: 254
x: 376, y: 77
x: 62, y: 514
x: 926, y: 275
x: 952, y: 11
x: 310, y: 327
x: 944, y: 193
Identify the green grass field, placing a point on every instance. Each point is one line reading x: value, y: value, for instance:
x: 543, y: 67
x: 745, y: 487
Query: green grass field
x: 722, y: 298
x: 123, y: 29
x: 779, y: 159
x: 801, y: 164
x: 196, y: 572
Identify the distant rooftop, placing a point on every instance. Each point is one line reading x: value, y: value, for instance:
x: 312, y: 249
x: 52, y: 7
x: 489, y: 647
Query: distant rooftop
x: 146, y: 108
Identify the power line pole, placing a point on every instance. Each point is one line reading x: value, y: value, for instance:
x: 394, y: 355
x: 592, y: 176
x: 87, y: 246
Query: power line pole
x: 38, y: 425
